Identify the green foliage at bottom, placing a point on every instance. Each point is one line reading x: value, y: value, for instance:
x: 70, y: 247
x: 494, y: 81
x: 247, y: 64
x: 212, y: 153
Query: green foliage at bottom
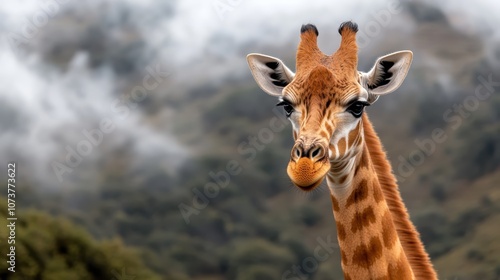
x: 53, y: 249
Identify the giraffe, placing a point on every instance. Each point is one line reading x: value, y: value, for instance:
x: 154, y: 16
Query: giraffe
x: 325, y: 100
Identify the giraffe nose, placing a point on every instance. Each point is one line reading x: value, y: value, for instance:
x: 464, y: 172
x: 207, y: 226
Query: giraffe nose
x: 315, y: 151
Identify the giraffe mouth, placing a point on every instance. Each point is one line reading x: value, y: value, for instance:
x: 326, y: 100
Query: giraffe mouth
x: 306, y: 174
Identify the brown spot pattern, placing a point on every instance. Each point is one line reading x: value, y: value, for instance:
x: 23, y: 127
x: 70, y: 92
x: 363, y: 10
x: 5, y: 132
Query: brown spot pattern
x: 388, y: 231
x: 323, y: 134
x: 342, y: 179
x: 346, y: 276
x: 366, y: 255
x: 353, y: 135
x: 343, y: 257
x: 331, y: 147
x: 360, y: 193
x: 341, y: 145
x: 363, y: 219
x: 329, y: 127
x: 335, y: 204
x: 328, y: 115
x: 341, y: 234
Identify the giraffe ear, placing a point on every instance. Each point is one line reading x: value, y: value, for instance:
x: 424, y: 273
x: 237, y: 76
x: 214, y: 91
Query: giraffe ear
x: 387, y: 74
x: 270, y: 73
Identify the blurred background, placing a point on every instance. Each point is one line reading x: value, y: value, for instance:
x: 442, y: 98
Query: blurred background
x: 144, y: 150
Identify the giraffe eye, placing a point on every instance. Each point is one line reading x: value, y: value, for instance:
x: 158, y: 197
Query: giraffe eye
x: 287, y: 107
x: 356, y: 108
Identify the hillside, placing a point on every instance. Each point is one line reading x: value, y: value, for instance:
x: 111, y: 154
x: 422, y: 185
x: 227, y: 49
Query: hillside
x: 192, y: 184
x: 44, y: 247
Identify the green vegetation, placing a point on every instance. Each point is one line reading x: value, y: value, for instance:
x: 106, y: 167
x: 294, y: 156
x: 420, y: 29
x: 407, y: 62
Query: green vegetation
x: 54, y: 248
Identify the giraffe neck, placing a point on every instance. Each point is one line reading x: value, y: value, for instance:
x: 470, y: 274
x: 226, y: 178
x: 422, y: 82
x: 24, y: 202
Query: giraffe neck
x: 369, y: 243
x: 410, y: 239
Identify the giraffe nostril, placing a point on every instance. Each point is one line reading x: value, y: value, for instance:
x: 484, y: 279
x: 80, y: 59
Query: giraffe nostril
x: 314, y: 152
x: 297, y: 152
x: 317, y: 152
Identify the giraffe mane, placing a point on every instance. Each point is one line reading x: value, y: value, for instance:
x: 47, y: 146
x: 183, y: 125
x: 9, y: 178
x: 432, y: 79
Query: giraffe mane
x: 408, y: 235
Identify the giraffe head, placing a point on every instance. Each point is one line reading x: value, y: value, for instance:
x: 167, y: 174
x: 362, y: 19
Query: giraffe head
x: 325, y: 99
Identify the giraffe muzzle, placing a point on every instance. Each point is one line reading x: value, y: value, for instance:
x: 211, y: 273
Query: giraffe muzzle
x: 308, y: 165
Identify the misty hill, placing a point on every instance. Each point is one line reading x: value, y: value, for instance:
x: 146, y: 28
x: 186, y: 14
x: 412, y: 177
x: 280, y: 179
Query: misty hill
x: 201, y: 127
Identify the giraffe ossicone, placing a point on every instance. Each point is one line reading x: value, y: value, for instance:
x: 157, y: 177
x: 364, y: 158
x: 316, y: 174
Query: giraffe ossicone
x: 325, y: 99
